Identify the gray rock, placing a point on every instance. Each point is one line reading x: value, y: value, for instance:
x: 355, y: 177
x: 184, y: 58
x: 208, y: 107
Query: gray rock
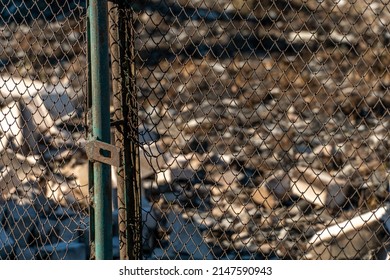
x: 6, y: 244
x: 187, y: 242
x: 57, y: 100
x: 149, y: 224
x: 72, y: 229
x: 20, y: 223
x: 27, y: 253
x: 64, y: 251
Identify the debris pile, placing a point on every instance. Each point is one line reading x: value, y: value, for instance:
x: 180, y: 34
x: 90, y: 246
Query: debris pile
x: 272, y: 127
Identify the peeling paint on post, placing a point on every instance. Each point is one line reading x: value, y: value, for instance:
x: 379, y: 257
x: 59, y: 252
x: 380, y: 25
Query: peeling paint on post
x: 100, y: 109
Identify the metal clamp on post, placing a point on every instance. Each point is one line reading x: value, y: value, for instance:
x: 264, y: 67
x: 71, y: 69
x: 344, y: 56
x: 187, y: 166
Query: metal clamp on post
x: 103, y: 152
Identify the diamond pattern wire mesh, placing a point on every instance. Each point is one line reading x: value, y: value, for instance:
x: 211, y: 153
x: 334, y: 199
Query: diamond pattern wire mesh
x: 264, y: 128
x: 43, y: 167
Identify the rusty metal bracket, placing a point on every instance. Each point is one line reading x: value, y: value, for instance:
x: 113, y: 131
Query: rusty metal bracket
x: 103, y: 152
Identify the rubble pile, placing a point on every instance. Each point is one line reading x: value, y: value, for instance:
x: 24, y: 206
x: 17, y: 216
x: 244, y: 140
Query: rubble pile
x: 263, y: 130
x: 272, y: 122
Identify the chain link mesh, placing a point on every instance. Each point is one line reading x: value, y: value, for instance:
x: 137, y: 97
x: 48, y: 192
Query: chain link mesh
x: 264, y: 128
x: 43, y: 166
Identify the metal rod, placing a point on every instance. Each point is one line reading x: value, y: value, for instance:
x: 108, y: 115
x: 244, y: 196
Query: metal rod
x: 131, y: 148
x: 126, y: 130
x: 100, y: 108
x: 88, y: 133
x: 114, y: 30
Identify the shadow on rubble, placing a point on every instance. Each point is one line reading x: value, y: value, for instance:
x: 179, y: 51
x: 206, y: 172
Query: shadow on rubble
x: 248, y: 35
x: 21, y: 11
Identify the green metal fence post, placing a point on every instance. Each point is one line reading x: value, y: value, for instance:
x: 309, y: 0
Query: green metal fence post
x: 100, y: 108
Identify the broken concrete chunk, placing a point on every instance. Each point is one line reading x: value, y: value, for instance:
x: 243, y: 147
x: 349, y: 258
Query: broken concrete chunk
x: 172, y: 174
x: 66, y: 192
x: 37, y: 113
x: 319, y: 187
x: 58, y: 102
x: 26, y: 168
x: 20, y: 128
x: 55, y: 99
x: 262, y: 196
x: 9, y: 182
x: 152, y: 160
x: 27, y: 115
x: 15, y: 88
x: 279, y: 185
x: 357, y: 238
x: 10, y: 125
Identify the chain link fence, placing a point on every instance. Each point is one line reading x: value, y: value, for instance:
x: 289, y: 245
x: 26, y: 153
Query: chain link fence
x: 264, y: 128
x: 43, y: 166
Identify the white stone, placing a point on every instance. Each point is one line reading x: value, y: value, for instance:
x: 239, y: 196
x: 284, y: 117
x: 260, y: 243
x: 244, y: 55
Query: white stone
x: 14, y: 88
x: 302, y: 36
x: 319, y: 187
x: 9, y: 182
x: 354, y: 238
x: 10, y: 124
x: 57, y: 101
x: 152, y: 160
